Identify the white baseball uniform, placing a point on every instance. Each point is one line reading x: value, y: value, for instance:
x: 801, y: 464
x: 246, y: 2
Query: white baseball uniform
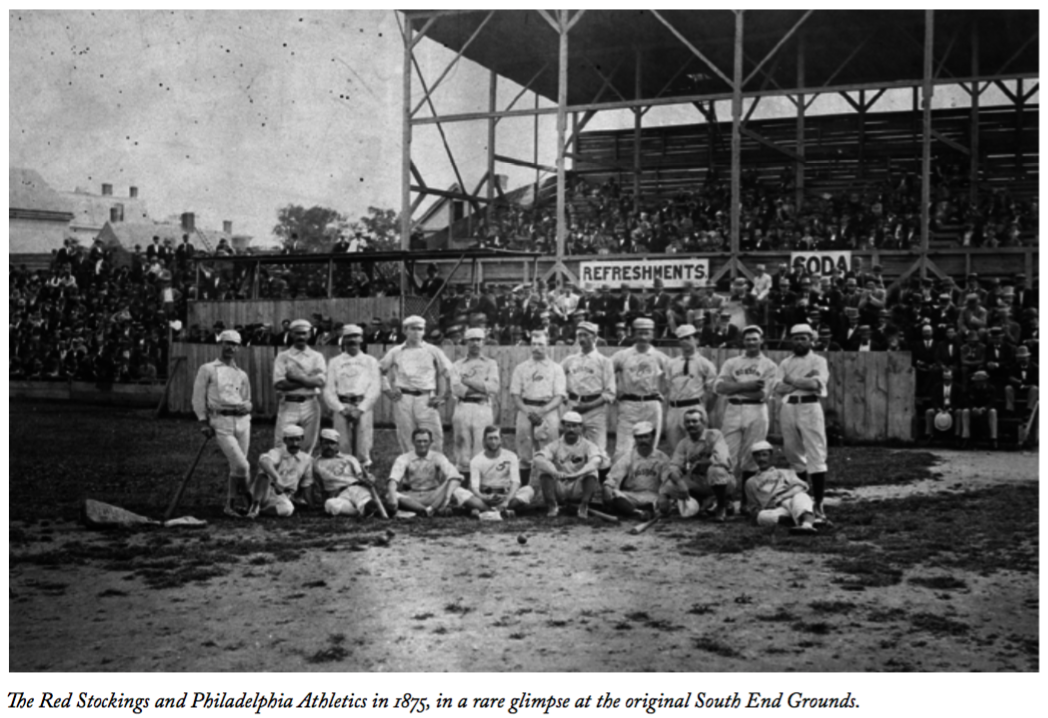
x: 300, y: 406
x: 537, y: 382
x: 690, y: 382
x: 640, y: 379
x: 801, y: 419
x: 294, y: 471
x: 775, y: 493
x: 497, y: 477
x: 638, y: 478
x: 413, y: 370
x: 473, y: 410
x: 354, y: 381
x: 425, y: 478
x: 589, y: 376
x: 339, y: 478
x: 746, y: 420
x: 222, y: 396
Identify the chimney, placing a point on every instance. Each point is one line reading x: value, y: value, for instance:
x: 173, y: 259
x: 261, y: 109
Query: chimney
x: 107, y: 190
x: 227, y: 226
x: 188, y: 222
x: 133, y: 193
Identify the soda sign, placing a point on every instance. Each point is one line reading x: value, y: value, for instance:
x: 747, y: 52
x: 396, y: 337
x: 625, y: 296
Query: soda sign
x: 823, y: 263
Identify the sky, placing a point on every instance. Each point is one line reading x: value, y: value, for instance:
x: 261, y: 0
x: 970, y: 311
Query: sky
x: 233, y: 114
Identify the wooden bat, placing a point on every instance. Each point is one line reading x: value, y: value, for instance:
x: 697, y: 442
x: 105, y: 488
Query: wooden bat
x: 603, y: 516
x: 352, y: 428
x: 641, y: 528
x: 1024, y: 431
x: 185, y: 480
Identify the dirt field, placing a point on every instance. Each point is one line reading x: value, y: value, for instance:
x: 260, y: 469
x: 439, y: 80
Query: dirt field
x: 931, y: 566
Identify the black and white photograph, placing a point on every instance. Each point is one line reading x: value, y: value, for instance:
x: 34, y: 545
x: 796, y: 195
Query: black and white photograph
x: 595, y: 341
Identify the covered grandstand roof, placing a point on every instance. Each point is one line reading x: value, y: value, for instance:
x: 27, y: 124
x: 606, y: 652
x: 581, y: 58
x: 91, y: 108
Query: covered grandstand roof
x: 843, y: 48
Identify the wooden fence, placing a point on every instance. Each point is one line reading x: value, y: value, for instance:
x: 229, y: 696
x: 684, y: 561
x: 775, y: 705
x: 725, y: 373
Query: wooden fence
x: 349, y: 310
x: 871, y: 395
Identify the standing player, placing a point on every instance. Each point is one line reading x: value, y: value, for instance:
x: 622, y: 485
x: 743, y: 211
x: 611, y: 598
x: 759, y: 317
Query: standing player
x: 352, y: 388
x: 299, y: 374
x: 590, y: 380
x: 747, y: 381
x: 416, y: 377
x: 802, y: 379
x: 641, y: 371
x: 538, y: 387
x: 475, y: 383
x: 222, y: 403
x: 341, y: 479
x: 690, y: 378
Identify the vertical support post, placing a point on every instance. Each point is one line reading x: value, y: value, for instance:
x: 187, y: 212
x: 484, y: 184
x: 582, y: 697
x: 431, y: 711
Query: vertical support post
x: 535, y: 150
x: 331, y: 278
x: 562, y: 126
x: 973, y: 134
x: 862, y: 134
x: 492, y: 97
x: 1020, y: 103
x: 405, y: 159
x: 736, y: 142
x: 926, y: 138
x: 801, y: 109
x: 637, y: 117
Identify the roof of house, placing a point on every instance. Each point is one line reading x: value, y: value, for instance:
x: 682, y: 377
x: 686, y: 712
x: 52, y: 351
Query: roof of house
x: 128, y: 234
x: 29, y: 192
x: 92, y: 210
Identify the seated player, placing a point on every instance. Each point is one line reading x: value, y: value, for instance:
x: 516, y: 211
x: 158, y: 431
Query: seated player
x: 425, y: 482
x: 701, y: 465
x: 777, y: 494
x: 494, y: 474
x: 341, y: 479
x: 634, y: 481
x: 567, y: 468
x: 284, y: 474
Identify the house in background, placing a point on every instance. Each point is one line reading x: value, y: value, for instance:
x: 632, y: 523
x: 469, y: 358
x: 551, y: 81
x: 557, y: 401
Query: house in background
x: 92, y: 211
x: 39, y: 219
x: 123, y: 236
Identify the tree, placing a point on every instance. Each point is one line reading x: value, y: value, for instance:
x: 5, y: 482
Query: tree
x: 315, y: 229
x: 381, y: 227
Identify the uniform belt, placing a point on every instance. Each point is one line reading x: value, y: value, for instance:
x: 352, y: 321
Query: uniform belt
x: 298, y: 398
x: 745, y: 401
x: 474, y: 399
x: 638, y: 397
x: 584, y: 399
x: 350, y: 398
x: 231, y: 412
x: 685, y: 402
x: 411, y: 392
x: 536, y: 402
x: 806, y: 399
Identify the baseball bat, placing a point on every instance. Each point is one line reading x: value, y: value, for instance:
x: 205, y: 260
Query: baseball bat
x: 352, y: 428
x: 185, y: 480
x: 603, y: 516
x: 1024, y: 431
x: 641, y: 528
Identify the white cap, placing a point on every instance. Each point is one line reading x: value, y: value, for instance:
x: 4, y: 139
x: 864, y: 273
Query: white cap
x: 761, y: 446
x: 352, y: 330
x: 229, y: 335
x: 643, y: 323
x: 753, y: 328
x: 643, y: 427
x: 414, y: 320
x: 300, y: 324
x: 588, y: 327
x: 475, y: 333
x: 293, y: 430
x: 686, y: 330
x: 573, y: 416
x: 329, y: 434
x: 801, y: 329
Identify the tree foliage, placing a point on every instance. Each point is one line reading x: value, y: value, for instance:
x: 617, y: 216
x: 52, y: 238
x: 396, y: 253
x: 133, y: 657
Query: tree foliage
x: 315, y: 228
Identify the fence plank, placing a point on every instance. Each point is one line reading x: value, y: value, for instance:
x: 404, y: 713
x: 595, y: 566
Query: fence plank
x: 876, y: 367
x: 901, y: 392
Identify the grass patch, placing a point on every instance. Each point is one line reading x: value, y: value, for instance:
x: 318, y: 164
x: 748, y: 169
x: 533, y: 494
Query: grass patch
x: 457, y: 608
x: 781, y: 615
x: 886, y: 615
x: 701, y: 609
x: 832, y: 606
x: 938, y: 625
x: 819, y: 628
x: 944, y: 583
x: 111, y: 592
x: 715, y: 646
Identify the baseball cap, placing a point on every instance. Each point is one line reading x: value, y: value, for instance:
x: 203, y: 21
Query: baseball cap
x: 352, y: 330
x: 573, y: 417
x: 587, y: 327
x: 685, y: 330
x: 801, y: 329
x: 329, y: 435
x: 643, y: 323
x: 761, y: 446
x: 643, y: 427
x: 293, y: 430
x: 230, y: 335
x: 300, y: 324
x: 414, y: 321
x: 475, y: 333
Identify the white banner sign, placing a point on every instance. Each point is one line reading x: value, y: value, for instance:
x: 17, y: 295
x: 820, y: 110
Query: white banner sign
x: 642, y: 273
x: 823, y: 263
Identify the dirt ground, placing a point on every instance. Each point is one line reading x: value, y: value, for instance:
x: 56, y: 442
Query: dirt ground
x: 322, y: 594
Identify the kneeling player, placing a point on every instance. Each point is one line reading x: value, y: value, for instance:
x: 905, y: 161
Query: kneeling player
x: 701, y: 465
x: 635, y: 480
x: 284, y: 475
x: 567, y: 468
x: 340, y: 477
x: 425, y: 482
x: 775, y: 494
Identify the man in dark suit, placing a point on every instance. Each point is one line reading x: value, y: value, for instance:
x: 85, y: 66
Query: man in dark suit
x: 864, y: 341
x: 923, y: 355
x: 723, y: 334
x: 1022, y: 381
x: 999, y: 358
x: 1024, y: 297
x: 624, y: 306
x: 980, y: 413
x: 948, y: 349
x: 658, y: 307
x: 945, y: 396
x: 825, y: 342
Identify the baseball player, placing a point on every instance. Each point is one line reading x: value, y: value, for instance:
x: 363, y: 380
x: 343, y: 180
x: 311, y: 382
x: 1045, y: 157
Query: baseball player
x: 747, y: 381
x: 353, y: 385
x: 775, y: 494
x: 284, y: 475
x: 590, y: 378
x: 690, y: 379
x: 641, y: 378
x: 802, y: 379
x: 635, y: 480
x: 341, y: 479
x: 494, y: 475
x: 222, y: 403
x: 701, y: 465
x: 475, y: 383
x: 299, y: 375
x: 567, y: 468
x: 538, y: 387
x: 415, y: 377
x: 423, y: 481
